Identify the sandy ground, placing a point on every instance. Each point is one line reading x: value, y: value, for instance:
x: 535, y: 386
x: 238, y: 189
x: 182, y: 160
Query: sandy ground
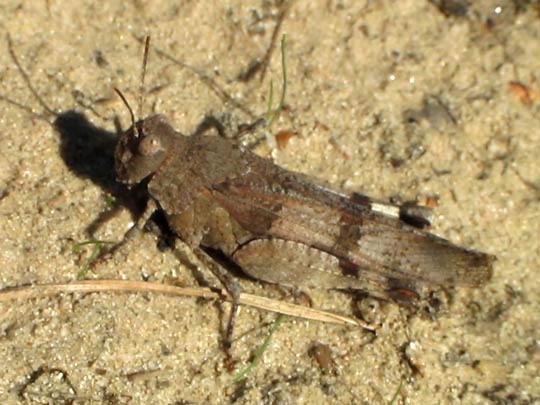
x: 387, y: 98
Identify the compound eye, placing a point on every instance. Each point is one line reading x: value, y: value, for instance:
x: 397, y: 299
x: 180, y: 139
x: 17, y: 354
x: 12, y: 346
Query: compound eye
x: 150, y: 146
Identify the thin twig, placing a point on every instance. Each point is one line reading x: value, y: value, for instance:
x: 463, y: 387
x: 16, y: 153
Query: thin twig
x: 92, y: 286
x: 27, y: 78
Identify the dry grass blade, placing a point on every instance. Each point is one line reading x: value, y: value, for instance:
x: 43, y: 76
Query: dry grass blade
x: 91, y: 286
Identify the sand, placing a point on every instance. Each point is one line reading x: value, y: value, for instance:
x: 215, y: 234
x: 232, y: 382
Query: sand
x: 386, y: 98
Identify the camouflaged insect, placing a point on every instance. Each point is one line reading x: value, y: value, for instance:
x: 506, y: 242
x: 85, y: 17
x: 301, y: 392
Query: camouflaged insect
x: 280, y: 226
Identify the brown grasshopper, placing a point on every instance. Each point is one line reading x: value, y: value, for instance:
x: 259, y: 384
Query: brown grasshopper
x: 280, y: 226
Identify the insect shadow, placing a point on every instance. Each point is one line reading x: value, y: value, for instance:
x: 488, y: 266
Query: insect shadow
x: 88, y: 152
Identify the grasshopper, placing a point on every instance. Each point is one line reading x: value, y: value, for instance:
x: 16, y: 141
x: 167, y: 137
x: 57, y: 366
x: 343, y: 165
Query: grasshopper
x: 282, y: 227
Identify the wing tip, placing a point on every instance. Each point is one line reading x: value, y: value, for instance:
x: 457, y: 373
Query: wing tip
x: 478, y: 269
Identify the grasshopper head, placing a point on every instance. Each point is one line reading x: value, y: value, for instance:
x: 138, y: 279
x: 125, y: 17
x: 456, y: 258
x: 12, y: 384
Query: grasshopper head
x: 143, y: 148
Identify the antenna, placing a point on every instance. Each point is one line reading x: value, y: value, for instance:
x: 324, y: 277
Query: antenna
x: 141, y: 90
x: 143, y: 75
x: 130, y: 111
